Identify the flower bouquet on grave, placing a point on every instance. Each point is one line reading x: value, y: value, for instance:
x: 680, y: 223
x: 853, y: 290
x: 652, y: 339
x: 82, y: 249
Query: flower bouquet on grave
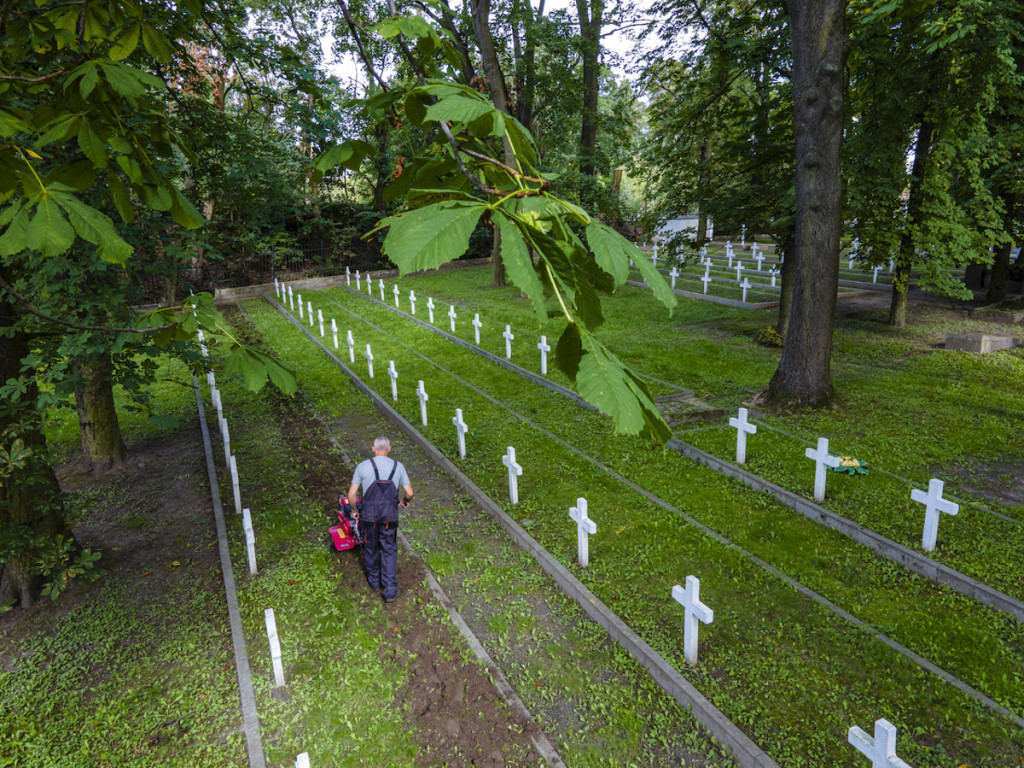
x: 850, y: 466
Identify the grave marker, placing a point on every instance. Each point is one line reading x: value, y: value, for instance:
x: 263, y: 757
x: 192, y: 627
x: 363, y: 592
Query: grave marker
x: 544, y: 348
x: 880, y: 750
x: 334, y: 331
x: 300, y: 306
x: 381, y: 284
x: 250, y: 539
x: 412, y: 302
x: 421, y: 393
x: 476, y: 328
x: 302, y: 761
x: 219, y: 405
x: 746, y: 287
x: 514, y: 471
x: 275, y: 648
x: 351, y: 348
x: 821, y: 461
x: 430, y: 309
x: 227, y: 441
x: 743, y: 428
x: 759, y: 258
x: 234, y: 485
x: 696, y: 611
x: 309, y: 312
x: 291, y: 299
x: 584, y: 527
x: 369, y: 361
x: 348, y: 277
x: 396, y: 292
x: 277, y: 289
x: 654, y: 256
x: 743, y: 235
x: 673, y: 273
x: 394, y: 379
x: 320, y: 317
x: 874, y: 276
x: 729, y: 254
x: 739, y: 270
x: 933, y: 505
x: 892, y: 264
x: 508, y: 341
x: 706, y: 279
x: 359, y: 285
x: 774, y: 274
x: 369, y: 285
x: 462, y: 429
x: 451, y: 316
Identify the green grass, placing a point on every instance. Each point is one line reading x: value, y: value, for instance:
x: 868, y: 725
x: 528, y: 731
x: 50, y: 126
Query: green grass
x: 770, y: 642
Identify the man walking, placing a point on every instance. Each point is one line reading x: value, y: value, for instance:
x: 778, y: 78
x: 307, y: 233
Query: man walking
x: 380, y: 478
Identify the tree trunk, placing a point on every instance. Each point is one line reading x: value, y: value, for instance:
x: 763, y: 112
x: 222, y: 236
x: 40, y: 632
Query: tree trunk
x: 786, y: 288
x: 905, y: 257
x: 703, y: 182
x: 447, y: 22
x: 819, y: 43
x: 102, y: 443
x: 974, y: 275
x: 590, y: 32
x: 1001, y: 262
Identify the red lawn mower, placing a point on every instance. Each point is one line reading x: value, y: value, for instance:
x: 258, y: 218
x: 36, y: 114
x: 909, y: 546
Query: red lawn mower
x: 346, y: 534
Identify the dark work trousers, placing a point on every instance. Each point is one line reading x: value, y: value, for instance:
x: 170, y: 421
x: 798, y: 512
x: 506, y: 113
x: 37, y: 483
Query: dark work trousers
x: 380, y: 555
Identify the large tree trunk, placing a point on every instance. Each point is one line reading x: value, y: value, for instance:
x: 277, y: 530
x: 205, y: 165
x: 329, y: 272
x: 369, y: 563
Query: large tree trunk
x: 102, y: 443
x: 819, y: 42
x: 786, y: 289
x: 590, y: 32
x: 30, y: 499
x: 703, y: 182
x: 1001, y: 262
x: 905, y: 257
x: 974, y: 275
x: 525, y: 52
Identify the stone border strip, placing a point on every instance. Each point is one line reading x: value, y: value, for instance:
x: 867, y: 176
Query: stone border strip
x: 798, y: 586
x: 898, y: 553
x: 737, y: 303
x: 250, y: 717
x: 746, y: 752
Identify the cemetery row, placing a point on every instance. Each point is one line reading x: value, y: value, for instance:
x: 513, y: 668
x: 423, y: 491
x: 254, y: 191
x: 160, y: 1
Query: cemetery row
x: 982, y: 545
x: 747, y: 655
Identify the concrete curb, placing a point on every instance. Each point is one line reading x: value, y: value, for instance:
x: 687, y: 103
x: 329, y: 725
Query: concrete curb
x: 250, y: 717
x: 712, y: 299
x: 746, y: 752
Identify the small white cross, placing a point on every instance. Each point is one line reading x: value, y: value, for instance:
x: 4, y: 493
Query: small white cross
x: 309, y: 312
x: 320, y: 317
x: 743, y: 428
x: 396, y: 292
x: 421, y: 393
x: 348, y: 277
x: 275, y: 648
x: 774, y: 275
x: 689, y: 598
x: 430, y: 308
x: 226, y: 434
x: 673, y: 273
x: 369, y: 285
x: 856, y: 246
x: 300, y: 305
x: 706, y: 279
x: 233, y: 465
x: 351, y: 348
x: 277, y: 289
x: 476, y: 328
x: 933, y: 505
x: 881, y: 749
x: 381, y: 284
x: 654, y: 256
x: 462, y: 429
x: 369, y: 360
x: 394, y: 379
x: 291, y: 299
x: 739, y: 270
x: 874, y: 277
x: 514, y: 470
x: 508, y: 341
x: 451, y: 315
x: 250, y: 539
x: 703, y: 252
x: 891, y: 265
x: 412, y: 302
x: 743, y: 235
x: 849, y: 264
x: 821, y: 461
x: 544, y: 348
x: 760, y: 262
x: 746, y: 287
x: 359, y: 285
x: 584, y: 527
x: 302, y: 761
x: 334, y: 330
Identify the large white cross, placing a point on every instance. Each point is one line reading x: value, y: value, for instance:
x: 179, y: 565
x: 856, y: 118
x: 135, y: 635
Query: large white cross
x: 412, y: 302
x: 739, y: 270
x: 275, y: 647
x: 933, y: 505
x: 320, y: 317
x: 430, y: 308
x: 544, y: 348
x: 451, y: 316
x: 476, y: 328
x: 508, y: 341
x: 351, y: 347
x: 881, y: 749
x: 746, y: 287
x: 334, y: 331
x: 309, y: 312
x: 394, y: 379
x: 462, y: 429
x: 514, y: 471
x: 396, y: 292
x: 706, y: 279
x: 291, y: 299
x: 381, y: 284
x: 369, y: 360
x: 696, y: 611
x: 421, y: 393
x: 673, y: 273
x: 348, y: 277
x: 821, y: 461
x: 743, y: 428
x: 300, y: 305
x: 584, y: 527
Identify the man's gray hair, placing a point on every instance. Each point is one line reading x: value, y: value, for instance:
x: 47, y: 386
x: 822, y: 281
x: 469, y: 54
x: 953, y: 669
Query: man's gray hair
x: 382, y: 444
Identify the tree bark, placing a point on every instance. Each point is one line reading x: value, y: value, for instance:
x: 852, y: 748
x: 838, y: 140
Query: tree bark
x: 590, y: 32
x: 1001, y: 262
x: 820, y: 44
x: 100, y: 430
x: 786, y: 288
x: 703, y: 182
x: 974, y: 275
x: 905, y: 257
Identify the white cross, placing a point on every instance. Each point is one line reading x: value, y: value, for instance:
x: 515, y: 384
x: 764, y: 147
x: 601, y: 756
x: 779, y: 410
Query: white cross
x: 430, y: 308
x: 544, y: 348
x: 673, y: 273
x: 369, y: 360
x: 250, y: 539
x: 320, y: 317
x: 300, y: 305
x: 706, y: 279
x: 514, y: 470
x: 381, y: 284
x: 369, y: 285
x: 703, y: 252
x: 309, y: 312
x: 849, y: 264
x: 654, y: 256
x: 743, y: 235
x: 277, y: 289
x: 291, y: 299
x: 760, y: 262
x: 234, y: 485
x: 774, y: 274
x: 746, y: 287
x: 275, y: 647
x: 856, y: 246
x: 215, y: 399
x: 476, y: 328
x: 584, y: 527
x: 359, y: 285
x: 351, y: 348
x: 874, y: 277
x: 821, y: 461
x: 508, y: 341
x: 334, y: 330
x: 421, y: 393
x: 743, y: 428
x: 462, y: 429
x: 348, y: 277
x: 739, y: 270
x: 394, y: 379
x: 396, y: 292
x: 302, y: 761
x: 225, y: 433
x: 689, y: 598
x: 881, y: 749
x: 451, y: 315
x: 891, y: 264
x: 933, y: 505
x: 412, y: 301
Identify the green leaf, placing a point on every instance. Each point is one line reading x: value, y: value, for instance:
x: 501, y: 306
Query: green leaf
x: 569, y: 351
x: 11, y: 124
x: 255, y: 368
x: 428, y: 237
x: 156, y: 44
x: 78, y: 176
x: 606, y: 245
x: 119, y: 195
x: 95, y: 227
x: 518, y: 264
x: 573, y: 275
x: 49, y: 232
x: 13, y: 239
x: 458, y: 109
x: 92, y: 145
x: 90, y: 78
x: 183, y: 212
x: 126, y: 43
x: 655, y: 280
x: 163, y: 421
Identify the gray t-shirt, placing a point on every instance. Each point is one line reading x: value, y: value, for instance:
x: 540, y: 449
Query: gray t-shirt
x: 364, y: 473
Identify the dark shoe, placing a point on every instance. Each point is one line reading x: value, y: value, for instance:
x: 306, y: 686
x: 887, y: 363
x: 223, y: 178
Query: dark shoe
x: 375, y: 589
x: 391, y: 599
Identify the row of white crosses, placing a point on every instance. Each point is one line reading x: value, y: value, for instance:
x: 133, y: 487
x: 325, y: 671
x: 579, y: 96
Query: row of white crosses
x: 933, y: 502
